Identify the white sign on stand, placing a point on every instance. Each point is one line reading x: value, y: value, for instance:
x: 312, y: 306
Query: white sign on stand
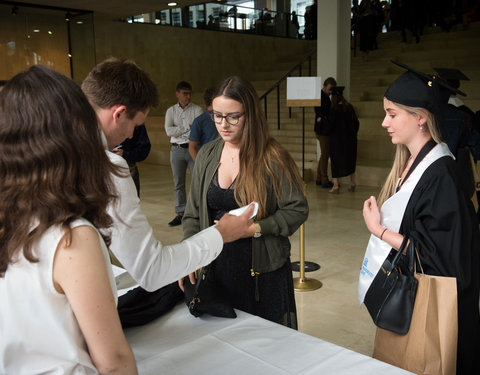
x: 304, y: 91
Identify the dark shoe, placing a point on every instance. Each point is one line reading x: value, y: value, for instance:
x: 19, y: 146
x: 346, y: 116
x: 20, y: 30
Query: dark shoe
x: 327, y: 185
x: 177, y: 220
x: 351, y: 188
x: 318, y: 183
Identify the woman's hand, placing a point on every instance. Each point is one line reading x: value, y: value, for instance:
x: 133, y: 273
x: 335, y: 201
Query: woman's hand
x: 371, y: 215
x: 191, y: 278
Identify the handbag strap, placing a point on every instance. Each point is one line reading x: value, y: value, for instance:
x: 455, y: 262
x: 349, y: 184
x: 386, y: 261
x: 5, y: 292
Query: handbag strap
x: 203, y: 272
x: 400, y: 251
x: 418, y: 259
x: 407, y: 248
x: 195, y: 298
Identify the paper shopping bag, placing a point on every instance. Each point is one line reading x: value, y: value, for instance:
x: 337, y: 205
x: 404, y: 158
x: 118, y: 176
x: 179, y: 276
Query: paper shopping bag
x: 430, y: 346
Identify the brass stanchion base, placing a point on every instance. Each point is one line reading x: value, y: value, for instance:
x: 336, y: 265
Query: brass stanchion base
x: 305, y: 285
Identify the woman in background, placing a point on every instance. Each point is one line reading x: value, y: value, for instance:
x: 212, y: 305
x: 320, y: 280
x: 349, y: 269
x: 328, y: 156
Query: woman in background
x: 245, y: 164
x: 58, y: 311
x: 343, y: 139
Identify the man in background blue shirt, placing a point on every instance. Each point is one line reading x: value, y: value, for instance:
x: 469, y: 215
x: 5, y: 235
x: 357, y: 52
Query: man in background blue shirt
x: 203, y: 127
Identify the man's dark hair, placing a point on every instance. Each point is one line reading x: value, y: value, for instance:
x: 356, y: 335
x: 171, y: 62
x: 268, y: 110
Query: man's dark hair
x: 208, y: 96
x: 330, y: 81
x: 120, y: 82
x: 183, y: 85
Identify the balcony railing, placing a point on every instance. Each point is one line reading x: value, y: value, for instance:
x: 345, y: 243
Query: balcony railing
x: 229, y: 18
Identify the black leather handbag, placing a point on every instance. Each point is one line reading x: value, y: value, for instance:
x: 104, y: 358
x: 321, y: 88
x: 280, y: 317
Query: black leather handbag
x: 204, y: 298
x: 391, y: 296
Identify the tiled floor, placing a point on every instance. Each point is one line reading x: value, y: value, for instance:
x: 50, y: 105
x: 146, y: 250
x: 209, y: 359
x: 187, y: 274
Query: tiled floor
x: 335, y: 238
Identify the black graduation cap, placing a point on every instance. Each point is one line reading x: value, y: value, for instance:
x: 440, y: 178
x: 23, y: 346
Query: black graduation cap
x: 338, y: 90
x: 452, y: 76
x: 417, y: 89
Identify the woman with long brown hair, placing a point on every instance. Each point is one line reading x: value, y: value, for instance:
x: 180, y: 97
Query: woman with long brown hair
x: 58, y: 312
x: 245, y: 164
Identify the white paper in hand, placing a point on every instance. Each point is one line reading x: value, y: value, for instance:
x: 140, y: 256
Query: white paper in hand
x: 241, y: 210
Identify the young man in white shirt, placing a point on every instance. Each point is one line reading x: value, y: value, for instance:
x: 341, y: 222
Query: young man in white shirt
x: 122, y: 95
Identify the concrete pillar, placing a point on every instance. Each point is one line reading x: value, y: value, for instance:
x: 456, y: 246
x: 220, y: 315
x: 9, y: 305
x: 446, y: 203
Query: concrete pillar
x: 333, y: 42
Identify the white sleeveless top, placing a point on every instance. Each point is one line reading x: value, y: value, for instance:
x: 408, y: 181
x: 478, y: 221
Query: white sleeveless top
x: 39, y: 333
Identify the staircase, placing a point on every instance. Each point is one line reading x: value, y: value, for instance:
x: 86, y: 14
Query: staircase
x: 369, y: 81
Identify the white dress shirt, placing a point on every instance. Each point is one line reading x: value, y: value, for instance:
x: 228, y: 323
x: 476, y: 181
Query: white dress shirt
x: 150, y: 263
x: 178, y: 122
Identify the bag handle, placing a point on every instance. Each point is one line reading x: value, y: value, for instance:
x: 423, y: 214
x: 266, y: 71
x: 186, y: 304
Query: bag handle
x: 419, y: 263
x: 199, y: 280
x: 195, y: 297
x: 400, y: 251
x: 407, y: 247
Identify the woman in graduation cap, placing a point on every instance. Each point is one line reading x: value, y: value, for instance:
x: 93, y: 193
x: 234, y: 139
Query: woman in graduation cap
x: 422, y: 198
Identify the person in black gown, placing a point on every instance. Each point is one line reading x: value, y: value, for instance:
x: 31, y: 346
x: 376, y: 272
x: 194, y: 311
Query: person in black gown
x: 343, y: 139
x: 438, y: 215
x: 245, y: 164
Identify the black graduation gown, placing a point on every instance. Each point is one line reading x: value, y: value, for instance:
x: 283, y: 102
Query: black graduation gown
x: 441, y: 219
x: 343, y: 141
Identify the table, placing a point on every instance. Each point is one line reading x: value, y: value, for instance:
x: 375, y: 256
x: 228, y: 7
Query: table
x: 179, y: 343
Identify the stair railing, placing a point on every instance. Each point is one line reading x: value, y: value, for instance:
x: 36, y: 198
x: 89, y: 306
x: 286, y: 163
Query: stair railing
x: 276, y: 86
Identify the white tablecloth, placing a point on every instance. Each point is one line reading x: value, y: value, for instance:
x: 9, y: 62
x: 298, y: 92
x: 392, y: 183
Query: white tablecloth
x: 179, y: 343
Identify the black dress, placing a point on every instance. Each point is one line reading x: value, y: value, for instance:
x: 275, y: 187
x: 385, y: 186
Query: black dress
x: 268, y: 295
x: 343, y: 141
x: 440, y: 217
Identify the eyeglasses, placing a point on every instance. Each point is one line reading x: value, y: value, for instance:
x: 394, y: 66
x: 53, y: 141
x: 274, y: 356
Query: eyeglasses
x: 232, y: 119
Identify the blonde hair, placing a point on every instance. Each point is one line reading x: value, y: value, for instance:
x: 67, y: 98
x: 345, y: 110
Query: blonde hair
x: 402, y: 153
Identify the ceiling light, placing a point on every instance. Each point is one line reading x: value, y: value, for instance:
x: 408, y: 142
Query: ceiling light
x: 172, y: 4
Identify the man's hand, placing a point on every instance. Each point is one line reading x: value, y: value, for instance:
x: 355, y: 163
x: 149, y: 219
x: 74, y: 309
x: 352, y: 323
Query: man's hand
x: 233, y: 227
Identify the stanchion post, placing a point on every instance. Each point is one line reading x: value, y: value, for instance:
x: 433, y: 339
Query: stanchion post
x: 303, y: 284
x: 304, y: 92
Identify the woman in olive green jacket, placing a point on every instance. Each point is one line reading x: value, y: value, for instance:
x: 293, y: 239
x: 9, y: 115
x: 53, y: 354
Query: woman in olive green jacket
x: 245, y: 164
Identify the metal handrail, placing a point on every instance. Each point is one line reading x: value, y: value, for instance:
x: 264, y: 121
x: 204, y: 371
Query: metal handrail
x: 281, y: 80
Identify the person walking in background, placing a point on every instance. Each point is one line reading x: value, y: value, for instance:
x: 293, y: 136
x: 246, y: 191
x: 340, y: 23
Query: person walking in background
x: 423, y: 199
x: 203, y: 128
x: 58, y: 312
x: 178, y: 122
x: 322, y: 132
x: 245, y: 164
x: 343, y: 139
x: 135, y: 150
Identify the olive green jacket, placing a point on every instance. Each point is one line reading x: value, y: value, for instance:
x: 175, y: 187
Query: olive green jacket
x: 284, y: 217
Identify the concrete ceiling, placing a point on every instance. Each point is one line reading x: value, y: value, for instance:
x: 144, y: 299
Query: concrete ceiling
x: 115, y: 8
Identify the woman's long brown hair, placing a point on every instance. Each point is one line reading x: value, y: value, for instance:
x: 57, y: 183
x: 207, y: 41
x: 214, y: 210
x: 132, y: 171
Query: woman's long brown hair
x: 262, y: 158
x: 53, y: 165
